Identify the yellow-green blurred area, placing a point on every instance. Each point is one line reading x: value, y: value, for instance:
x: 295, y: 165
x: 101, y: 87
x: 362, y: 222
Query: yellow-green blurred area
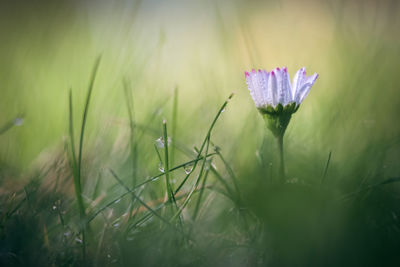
x: 342, y: 147
x: 202, y: 48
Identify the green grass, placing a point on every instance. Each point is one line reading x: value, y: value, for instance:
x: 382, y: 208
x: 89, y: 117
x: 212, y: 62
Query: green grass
x: 168, y: 71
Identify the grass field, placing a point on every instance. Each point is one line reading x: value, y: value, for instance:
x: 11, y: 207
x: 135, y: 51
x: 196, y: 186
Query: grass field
x: 91, y: 93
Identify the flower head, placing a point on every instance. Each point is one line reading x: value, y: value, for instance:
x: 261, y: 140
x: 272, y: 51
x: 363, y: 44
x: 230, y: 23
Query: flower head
x: 275, y: 97
x: 274, y: 88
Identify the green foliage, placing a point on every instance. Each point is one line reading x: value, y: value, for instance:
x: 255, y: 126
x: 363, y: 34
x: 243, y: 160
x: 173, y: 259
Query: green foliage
x: 277, y: 119
x: 216, y: 202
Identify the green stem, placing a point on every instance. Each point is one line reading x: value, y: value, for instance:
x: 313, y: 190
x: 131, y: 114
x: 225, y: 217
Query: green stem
x: 77, y: 184
x: 77, y: 162
x: 166, y: 163
x: 281, y: 173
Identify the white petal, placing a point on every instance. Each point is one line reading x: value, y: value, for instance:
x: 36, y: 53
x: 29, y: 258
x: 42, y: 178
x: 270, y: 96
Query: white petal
x: 308, y: 83
x: 298, y: 83
x: 249, y: 81
x: 264, y: 87
x: 273, y: 88
x: 286, y: 88
x: 257, y: 84
x: 281, y: 95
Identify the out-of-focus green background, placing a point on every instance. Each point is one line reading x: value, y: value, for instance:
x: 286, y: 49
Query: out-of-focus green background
x: 202, y: 47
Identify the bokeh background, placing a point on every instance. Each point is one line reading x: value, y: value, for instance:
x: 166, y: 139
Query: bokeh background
x: 202, y: 48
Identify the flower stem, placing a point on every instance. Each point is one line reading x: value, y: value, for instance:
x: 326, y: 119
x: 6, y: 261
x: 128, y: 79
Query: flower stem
x: 281, y: 173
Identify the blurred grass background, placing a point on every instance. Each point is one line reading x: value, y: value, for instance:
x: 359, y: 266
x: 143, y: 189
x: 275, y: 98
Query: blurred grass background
x: 202, y: 48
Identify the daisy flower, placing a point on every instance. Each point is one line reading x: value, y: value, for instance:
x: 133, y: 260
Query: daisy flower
x: 269, y: 89
x: 277, y: 99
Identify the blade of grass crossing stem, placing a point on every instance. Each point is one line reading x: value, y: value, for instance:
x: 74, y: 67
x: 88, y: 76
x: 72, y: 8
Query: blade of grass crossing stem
x: 171, y: 196
x: 196, y: 183
x: 154, y: 178
x: 230, y: 171
x: 222, y: 108
x: 144, y: 204
x: 196, y: 210
x: 158, y: 207
x: 222, y: 180
x: 118, y: 199
x: 184, y: 181
x: 109, y: 204
x: 170, y: 192
x: 166, y: 161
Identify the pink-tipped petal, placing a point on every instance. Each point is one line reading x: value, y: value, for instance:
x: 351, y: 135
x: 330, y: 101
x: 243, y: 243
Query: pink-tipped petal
x: 273, y: 88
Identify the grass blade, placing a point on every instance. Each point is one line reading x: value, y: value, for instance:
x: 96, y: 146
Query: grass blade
x: 195, y: 184
x: 203, y: 186
x: 85, y: 112
x: 77, y: 164
x: 229, y: 169
x: 8, y: 125
x: 154, y: 178
x: 144, y: 203
x: 133, y: 144
x: 166, y: 162
x: 326, y: 167
x: 222, y: 108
